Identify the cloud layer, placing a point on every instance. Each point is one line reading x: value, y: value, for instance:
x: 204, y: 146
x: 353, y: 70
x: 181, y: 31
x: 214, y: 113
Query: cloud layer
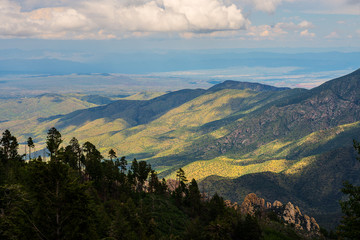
x: 107, y: 19
x: 116, y: 18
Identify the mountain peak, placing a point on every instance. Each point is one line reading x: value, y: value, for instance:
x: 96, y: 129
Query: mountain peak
x: 355, y: 73
x: 346, y: 87
x: 258, y: 87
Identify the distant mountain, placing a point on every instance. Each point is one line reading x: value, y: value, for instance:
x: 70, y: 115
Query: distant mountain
x: 137, y: 112
x: 229, y: 84
x: 134, y: 112
x: 43, y: 105
x: 334, y: 103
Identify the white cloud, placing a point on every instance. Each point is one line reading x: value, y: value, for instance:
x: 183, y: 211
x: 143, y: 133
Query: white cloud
x: 306, y: 33
x: 291, y: 26
x: 117, y: 18
x: 281, y: 28
x: 168, y: 16
x: 332, y: 35
x: 43, y: 22
x: 265, y: 31
x: 305, y: 24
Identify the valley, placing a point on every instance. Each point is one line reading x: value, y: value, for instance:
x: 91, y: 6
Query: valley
x: 235, y: 137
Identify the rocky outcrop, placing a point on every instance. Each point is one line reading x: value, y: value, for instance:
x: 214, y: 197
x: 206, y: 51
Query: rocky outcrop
x: 288, y: 213
x: 252, y: 204
x: 292, y: 215
x: 230, y: 204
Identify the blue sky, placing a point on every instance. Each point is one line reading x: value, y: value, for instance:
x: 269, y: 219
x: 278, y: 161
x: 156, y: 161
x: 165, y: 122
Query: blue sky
x: 186, y: 23
x: 185, y: 39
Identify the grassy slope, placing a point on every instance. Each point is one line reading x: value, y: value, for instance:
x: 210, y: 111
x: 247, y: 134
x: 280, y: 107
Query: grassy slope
x: 315, y: 187
x: 170, y: 132
x: 42, y: 106
x: 276, y: 155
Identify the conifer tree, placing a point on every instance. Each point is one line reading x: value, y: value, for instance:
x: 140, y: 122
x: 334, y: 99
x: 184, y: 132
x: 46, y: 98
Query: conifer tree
x: 53, y: 142
x: 31, y: 145
x: 60, y: 203
x: 122, y: 164
x: 112, y: 154
x: 180, y: 175
x: 77, y: 150
x: 143, y: 173
x: 9, y: 146
x: 93, y: 162
x: 154, y: 184
x: 194, y: 197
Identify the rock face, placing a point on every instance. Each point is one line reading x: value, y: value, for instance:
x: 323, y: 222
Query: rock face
x: 252, y: 204
x: 288, y: 213
x: 291, y: 214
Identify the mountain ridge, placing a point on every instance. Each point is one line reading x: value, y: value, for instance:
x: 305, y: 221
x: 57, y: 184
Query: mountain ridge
x: 258, y: 87
x: 240, y: 133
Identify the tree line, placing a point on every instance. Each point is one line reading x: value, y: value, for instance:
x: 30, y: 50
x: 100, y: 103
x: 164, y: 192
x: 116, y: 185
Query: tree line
x: 78, y: 194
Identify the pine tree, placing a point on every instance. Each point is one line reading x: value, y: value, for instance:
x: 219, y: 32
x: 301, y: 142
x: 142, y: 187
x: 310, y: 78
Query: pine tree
x: 180, y: 174
x: 154, y: 184
x: 10, y: 159
x: 53, y: 142
x: 9, y: 146
x: 123, y: 164
x: 144, y: 170
x: 93, y: 162
x: 194, y: 197
x: 31, y: 145
x: 112, y: 154
x: 60, y: 203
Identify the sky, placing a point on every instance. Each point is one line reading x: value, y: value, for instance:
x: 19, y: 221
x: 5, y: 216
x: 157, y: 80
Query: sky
x: 191, y: 24
x: 207, y: 40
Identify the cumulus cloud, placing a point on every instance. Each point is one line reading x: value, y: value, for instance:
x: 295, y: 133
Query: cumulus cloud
x: 306, y: 33
x: 268, y: 6
x: 291, y: 26
x: 265, y: 31
x: 116, y: 18
x: 44, y: 22
x: 281, y: 28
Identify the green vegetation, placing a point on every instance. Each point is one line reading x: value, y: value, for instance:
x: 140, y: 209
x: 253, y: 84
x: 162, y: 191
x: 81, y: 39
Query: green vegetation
x: 295, y: 140
x: 350, y: 223
x: 78, y: 194
x: 45, y: 105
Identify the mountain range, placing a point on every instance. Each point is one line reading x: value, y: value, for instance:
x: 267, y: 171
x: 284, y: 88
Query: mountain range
x: 235, y: 137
